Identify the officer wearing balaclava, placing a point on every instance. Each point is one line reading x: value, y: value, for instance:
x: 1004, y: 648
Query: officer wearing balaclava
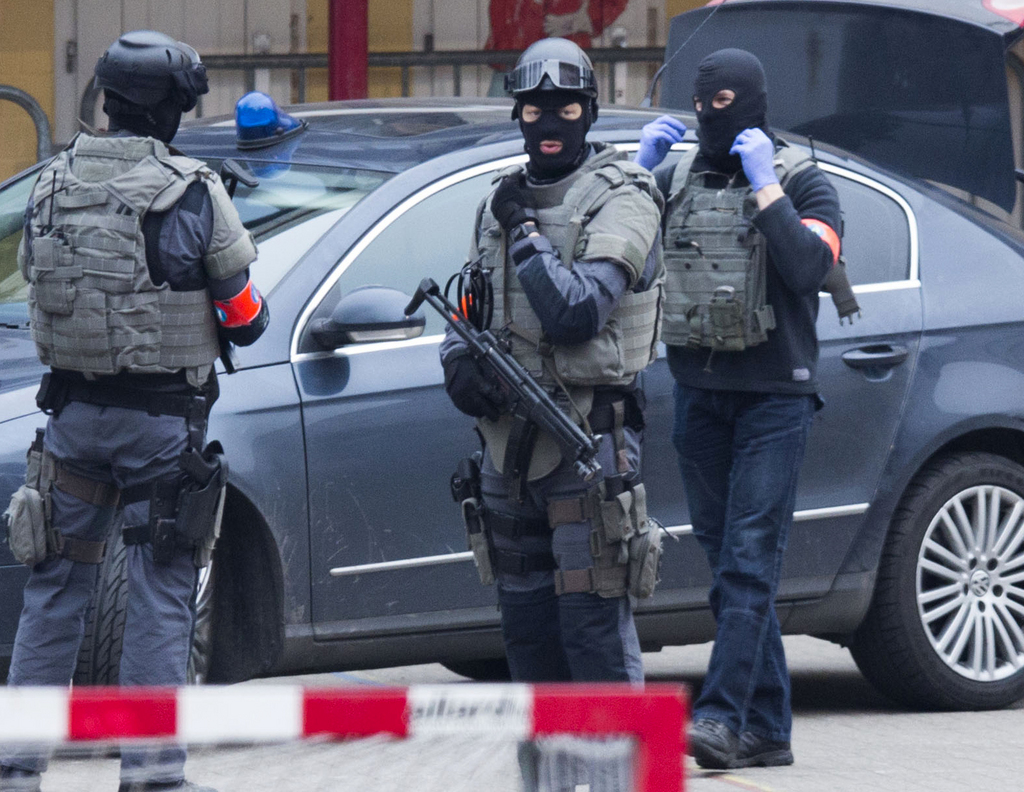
x: 569, y: 242
x: 751, y: 235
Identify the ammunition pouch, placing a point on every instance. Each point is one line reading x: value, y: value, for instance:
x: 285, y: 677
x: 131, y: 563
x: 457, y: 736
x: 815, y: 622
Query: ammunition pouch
x: 185, y: 510
x: 31, y: 534
x: 624, y: 544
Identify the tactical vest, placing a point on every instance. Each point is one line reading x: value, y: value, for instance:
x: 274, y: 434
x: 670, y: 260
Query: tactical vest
x: 628, y: 341
x: 94, y: 308
x: 716, y: 260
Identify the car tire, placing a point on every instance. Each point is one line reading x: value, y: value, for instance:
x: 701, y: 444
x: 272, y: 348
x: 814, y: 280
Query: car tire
x: 99, y: 657
x: 945, y: 629
x: 490, y: 670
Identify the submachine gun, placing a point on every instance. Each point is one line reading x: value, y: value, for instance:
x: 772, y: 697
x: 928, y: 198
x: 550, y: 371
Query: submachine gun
x: 530, y: 400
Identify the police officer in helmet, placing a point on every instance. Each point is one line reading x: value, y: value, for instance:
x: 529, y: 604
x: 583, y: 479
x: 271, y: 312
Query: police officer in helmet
x: 138, y: 268
x: 570, y: 242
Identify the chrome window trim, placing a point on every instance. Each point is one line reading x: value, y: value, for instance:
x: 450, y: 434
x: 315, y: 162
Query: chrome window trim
x: 913, y: 280
x: 806, y: 515
x: 376, y: 231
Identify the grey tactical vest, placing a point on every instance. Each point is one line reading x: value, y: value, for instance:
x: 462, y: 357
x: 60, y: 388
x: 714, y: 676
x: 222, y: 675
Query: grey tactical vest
x: 93, y: 306
x: 628, y: 341
x: 716, y: 260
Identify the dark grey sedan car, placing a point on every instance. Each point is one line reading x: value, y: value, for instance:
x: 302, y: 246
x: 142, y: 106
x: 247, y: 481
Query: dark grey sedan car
x: 341, y: 547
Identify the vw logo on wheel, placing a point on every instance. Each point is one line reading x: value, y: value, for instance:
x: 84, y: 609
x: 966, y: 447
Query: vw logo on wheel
x: 980, y: 583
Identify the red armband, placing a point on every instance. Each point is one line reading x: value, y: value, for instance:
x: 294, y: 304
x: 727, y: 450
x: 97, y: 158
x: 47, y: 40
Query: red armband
x: 241, y: 309
x: 825, y: 233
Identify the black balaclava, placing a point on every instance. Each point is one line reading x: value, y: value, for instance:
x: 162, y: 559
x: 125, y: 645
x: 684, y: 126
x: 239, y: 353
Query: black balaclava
x: 159, y: 121
x: 550, y: 126
x: 742, y: 73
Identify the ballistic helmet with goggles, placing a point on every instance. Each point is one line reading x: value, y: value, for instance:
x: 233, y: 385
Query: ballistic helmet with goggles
x: 553, y: 64
x: 146, y: 68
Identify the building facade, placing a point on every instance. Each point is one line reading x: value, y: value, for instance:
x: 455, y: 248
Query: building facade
x: 49, y: 49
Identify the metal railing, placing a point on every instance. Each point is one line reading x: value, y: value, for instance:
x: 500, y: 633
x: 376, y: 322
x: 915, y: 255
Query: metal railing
x: 44, y: 139
x: 456, y: 60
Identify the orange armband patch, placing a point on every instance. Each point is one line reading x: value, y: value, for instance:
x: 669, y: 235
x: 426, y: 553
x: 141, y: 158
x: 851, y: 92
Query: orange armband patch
x: 241, y: 309
x: 826, y: 234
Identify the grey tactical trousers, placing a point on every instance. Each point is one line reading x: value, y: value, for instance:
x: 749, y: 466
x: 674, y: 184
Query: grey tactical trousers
x: 124, y: 447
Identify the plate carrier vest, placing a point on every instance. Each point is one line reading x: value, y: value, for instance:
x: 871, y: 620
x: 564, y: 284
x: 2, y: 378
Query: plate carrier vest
x: 94, y: 308
x: 716, y: 260
x: 628, y: 341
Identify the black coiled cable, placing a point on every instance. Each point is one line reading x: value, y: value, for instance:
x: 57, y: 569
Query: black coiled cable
x: 474, y: 294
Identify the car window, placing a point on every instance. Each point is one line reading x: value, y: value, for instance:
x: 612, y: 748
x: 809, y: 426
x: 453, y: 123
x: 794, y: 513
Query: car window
x: 292, y: 207
x: 13, y: 200
x: 430, y: 239
x: 876, y: 234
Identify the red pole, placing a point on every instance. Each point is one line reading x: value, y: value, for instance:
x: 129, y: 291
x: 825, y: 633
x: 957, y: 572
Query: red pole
x: 347, y: 49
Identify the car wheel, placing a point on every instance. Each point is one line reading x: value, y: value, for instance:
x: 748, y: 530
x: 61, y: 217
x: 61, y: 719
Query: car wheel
x: 491, y: 670
x: 99, y: 657
x: 945, y: 629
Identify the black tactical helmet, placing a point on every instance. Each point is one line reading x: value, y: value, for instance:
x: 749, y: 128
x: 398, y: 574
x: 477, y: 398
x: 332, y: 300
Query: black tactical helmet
x: 553, y: 64
x: 146, y: 67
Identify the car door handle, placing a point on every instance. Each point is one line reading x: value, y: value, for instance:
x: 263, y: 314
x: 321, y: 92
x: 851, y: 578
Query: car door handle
x: 876, y: 356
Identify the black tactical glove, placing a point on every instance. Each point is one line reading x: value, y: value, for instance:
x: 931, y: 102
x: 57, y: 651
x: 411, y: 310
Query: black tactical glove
x: 473, y: 390
x: 513, y: 204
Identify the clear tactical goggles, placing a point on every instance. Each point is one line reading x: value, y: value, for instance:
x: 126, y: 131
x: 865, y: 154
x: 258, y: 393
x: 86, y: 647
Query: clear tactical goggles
x: 568, y: 76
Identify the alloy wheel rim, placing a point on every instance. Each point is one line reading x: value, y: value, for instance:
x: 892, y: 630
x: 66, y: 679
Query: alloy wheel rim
x: 970, y: 583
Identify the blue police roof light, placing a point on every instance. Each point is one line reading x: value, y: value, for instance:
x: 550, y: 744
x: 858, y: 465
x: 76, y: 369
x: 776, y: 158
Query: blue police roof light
x: 259, y: 122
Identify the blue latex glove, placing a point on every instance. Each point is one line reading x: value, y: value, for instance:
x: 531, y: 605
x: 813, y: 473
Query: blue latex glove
x: 657, y: 138
x: 756, y: 151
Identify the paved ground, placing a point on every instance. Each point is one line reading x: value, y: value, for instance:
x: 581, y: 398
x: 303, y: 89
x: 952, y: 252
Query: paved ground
x: 846, y: 739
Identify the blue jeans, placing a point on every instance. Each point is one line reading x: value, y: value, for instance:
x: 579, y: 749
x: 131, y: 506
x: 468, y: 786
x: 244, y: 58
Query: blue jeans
x: 740, y: 455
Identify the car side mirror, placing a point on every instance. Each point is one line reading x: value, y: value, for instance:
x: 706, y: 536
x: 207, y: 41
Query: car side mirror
x: 368, y: 314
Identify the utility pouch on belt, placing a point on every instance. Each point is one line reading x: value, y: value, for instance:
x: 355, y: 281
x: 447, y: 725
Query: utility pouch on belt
x: 26, y: 514
x: 465, y: 486
x: 52, y: 394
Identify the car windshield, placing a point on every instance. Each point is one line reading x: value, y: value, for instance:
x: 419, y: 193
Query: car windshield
x: 290, y: 209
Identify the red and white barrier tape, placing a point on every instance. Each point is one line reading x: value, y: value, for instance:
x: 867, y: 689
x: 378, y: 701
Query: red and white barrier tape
x: 655, y: 715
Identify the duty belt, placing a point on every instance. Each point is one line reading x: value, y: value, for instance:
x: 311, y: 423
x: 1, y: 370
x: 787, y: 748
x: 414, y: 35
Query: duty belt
x: 56, y: 391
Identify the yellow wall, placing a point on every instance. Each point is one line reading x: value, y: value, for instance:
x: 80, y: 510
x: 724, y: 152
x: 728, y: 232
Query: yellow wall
x: 390, y: 30
x: 673, y: 7
x: 26, y: 62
